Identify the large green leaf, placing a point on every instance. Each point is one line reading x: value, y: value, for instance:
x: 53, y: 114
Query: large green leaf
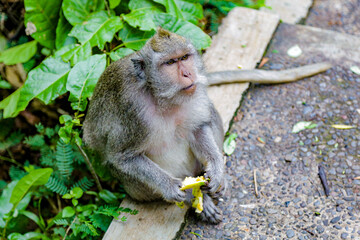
x: 36, y: 177
x: 96, y: 31
x: 77, y: 11
x: 19, y: 54
x: 84, y: 76
x: 142, y: 18
x: 9, y: 104
x: 45, y: 82
x: 133, y: 38
x: 114, y: 3
x: 62, y: 32
x: 186, y: 29
x: 5, y: 204
x: 44, y: 15
x: 191, y: 12
x: 172, y: 8
x: 120, y: 53
x: 78, y: 53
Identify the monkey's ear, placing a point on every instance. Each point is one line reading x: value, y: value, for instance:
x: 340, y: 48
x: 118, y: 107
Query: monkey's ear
x: 139, y: 67
x: 163, y: 33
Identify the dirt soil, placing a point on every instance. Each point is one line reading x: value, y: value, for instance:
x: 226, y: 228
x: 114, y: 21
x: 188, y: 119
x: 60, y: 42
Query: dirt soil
x: 292, y: 203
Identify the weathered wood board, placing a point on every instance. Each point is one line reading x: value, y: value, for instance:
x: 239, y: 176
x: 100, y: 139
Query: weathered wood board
x: 242, y: 40
x: 290, y: 11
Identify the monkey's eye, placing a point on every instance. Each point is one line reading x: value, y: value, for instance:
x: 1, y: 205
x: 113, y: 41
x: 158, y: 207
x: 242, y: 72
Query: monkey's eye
x: 170, y: 62
x: 183, y: 58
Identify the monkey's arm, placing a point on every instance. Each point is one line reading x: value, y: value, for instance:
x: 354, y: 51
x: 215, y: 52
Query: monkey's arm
x: 208, y: 153
x: 265, y: 76
x: 144, y: 180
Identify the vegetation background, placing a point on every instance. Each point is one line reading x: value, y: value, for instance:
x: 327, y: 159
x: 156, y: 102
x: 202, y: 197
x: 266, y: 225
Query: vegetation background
x: 51, y: 56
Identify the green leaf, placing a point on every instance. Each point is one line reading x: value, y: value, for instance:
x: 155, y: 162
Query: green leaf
x: 45, y: 82
x: 77, y: 11
x: 36, y: 177
x: 186, y: 29
x: 141, y: 14
x: 68, y: 212
x: 84, y: 76
x: 65, y: 133
x: 5, y: 85
x: 9, y: 104
x: 67, y: 196
x: 62, y: 32
x: 172, y: 8
x: 96, y: 31
x: 192, y: 12
x: 114, y: 3
x: 19, y: 54
x: 120, y: 53
x: 302, y: 125
x: 43, y: 14
x: 65, y: 118
x: 230, y: 144
x: 134, y: 38
x: 107, y: 196
x: 33, y: 217
x: 77, y: 192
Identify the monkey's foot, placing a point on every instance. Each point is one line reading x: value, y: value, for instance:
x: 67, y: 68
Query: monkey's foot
x: 210, y: 213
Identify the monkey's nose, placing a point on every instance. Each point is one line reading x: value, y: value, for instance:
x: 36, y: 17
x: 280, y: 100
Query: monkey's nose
x: 186, y: 74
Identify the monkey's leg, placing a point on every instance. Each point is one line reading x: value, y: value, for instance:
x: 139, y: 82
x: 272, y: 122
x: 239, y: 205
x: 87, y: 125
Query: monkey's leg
x: 145, y: 180
x: 265, y: 76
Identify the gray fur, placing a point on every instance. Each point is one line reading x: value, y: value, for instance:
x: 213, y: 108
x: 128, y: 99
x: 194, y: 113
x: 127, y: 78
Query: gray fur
x: 149, y: 134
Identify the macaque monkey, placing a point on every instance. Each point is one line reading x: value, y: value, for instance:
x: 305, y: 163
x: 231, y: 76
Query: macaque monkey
x: 153, y: 124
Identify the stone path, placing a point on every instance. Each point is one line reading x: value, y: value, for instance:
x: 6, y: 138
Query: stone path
x: 292, y: 203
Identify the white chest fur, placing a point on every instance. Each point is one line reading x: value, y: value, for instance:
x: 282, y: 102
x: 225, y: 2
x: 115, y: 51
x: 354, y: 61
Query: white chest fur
x: 169, y: 145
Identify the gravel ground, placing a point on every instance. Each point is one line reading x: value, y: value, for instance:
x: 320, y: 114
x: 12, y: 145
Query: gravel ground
x: 291, y: 202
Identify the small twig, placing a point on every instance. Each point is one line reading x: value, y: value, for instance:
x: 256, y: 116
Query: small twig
x: 255, y: 182
x: 92, y: 170
x: 323, y: 179
x: 52, y: 204
x: 10, y: 160
x: 107, y: 7
x: 68, y: 229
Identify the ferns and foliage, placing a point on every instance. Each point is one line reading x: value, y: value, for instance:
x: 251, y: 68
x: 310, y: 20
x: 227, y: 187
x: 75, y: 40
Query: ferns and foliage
x: 48, y: 177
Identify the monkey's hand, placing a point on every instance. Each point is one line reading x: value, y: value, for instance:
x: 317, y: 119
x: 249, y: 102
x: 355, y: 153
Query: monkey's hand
x: 217, y: 184
x: 172, y: 192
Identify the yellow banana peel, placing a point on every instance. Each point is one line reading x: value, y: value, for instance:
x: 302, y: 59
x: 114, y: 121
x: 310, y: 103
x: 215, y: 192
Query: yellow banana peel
x: 195, y: 183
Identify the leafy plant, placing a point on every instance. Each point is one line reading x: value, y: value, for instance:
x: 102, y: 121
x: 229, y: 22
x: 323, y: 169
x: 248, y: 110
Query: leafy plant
x: 80, y: 37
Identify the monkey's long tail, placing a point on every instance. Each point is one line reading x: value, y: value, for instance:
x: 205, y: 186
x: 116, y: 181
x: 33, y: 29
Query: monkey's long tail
x: 265, y: 76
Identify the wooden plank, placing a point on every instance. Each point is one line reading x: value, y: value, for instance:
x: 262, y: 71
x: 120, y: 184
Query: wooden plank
x: 290, y: 11
x: 241, y: 27
x: 241, y: 41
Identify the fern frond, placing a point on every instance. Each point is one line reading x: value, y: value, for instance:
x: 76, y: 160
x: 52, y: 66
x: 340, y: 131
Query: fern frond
x: 47, y: 156
x: 61, y: 221
x: 84, y: 183
x: 16, y: 173
x: 64, y: 158
x: 101, y: 221
x: 12, y: 140
x: 56, y: 185
x: 36, y: 141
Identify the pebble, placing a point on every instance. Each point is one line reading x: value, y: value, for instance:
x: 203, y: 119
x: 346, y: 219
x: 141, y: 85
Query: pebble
x: 290, y: 233
x: 335, y: 220
x: 344, y: 235
x: 331, y: 142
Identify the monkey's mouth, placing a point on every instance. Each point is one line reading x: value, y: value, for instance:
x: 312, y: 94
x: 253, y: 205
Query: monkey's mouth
x: 190, y: 89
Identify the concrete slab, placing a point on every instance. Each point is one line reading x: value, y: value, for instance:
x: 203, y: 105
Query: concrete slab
x: 290, y: 11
